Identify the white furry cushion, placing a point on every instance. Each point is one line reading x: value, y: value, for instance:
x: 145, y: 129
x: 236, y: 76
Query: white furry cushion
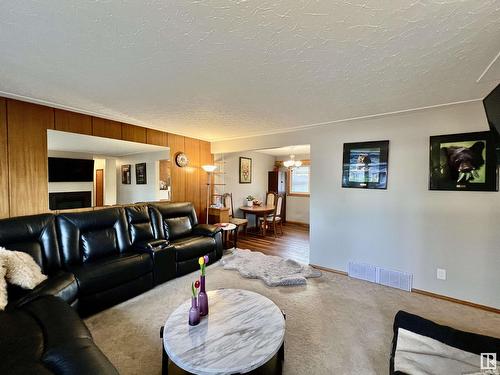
x: 3, y: 285
x: 22, y: 269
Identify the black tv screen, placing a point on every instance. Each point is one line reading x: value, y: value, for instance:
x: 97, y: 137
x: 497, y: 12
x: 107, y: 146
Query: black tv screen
x: 71, y: 170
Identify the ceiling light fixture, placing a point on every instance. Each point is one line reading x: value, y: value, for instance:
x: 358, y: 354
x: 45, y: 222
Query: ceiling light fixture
x: 292, y: 162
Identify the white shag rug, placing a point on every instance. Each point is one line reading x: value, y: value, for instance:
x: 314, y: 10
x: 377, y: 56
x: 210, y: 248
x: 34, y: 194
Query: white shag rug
x: 273, y: 270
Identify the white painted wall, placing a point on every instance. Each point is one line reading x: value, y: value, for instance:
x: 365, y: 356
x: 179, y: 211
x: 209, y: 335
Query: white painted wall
x: 297, y: 208
x: 110, y: 182
x: 141, y: 193
x: 261, y: 164
x: 406, y: 227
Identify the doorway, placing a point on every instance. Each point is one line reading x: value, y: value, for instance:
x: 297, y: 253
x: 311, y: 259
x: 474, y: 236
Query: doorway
x: 99, y: 188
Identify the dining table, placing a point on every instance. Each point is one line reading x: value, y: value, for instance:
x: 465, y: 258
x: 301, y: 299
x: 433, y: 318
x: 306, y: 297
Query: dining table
x: 262, y: 210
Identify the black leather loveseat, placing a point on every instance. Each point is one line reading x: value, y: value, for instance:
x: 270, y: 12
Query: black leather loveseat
x: 95, y: 259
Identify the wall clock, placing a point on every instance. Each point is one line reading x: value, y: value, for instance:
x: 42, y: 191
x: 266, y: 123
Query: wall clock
x: 181, y: 159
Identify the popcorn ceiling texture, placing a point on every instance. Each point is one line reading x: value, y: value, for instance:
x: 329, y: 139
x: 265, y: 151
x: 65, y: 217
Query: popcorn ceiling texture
x: 221, y: 68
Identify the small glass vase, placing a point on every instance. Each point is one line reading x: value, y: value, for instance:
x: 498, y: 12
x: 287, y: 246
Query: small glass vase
x: 194, y: 312
x: 203, y: 298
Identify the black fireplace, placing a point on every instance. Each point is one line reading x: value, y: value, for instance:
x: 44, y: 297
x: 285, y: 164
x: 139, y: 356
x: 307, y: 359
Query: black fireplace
x: 73, y: 199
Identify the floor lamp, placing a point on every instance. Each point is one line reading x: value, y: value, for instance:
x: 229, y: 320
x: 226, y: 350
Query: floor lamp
x: 209, y: 169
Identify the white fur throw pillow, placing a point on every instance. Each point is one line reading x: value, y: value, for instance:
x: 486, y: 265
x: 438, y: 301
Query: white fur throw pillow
x: 3, y: 285
x: 22, y: 269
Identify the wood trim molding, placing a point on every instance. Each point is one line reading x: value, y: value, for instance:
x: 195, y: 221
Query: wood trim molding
x: 326, y: 269
x: 456, y: 300
x: 425, y: 293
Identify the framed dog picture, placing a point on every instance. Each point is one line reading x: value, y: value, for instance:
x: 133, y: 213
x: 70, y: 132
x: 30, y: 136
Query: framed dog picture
x: 140, y: 174
x: 463, y: 162
x: 365, y: 165
x: 245, y: 170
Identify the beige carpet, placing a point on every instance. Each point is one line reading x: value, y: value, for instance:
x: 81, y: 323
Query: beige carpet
x: 335, y: 325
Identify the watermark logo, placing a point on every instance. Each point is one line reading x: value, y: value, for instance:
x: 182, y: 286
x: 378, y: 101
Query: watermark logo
x: 488, y: 361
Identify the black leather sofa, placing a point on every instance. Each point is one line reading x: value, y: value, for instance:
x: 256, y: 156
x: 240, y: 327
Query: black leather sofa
x: 95, y: 259
x: 46, y: 336
x: 177, y: 223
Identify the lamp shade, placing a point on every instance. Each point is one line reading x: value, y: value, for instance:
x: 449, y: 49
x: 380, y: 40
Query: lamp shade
x: 209, y: 168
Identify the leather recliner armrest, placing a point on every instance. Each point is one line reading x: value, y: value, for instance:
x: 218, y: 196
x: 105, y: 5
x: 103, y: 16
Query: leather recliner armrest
x: 151, y: 246
x: 62, y: 285
x: 206, y: 230
x: 163, y: 256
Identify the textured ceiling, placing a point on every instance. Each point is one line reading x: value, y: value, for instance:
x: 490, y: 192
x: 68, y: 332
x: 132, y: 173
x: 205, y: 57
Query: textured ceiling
x: 221, y: 69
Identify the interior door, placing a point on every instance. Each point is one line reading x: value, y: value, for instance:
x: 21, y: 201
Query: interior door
x: 99, y: 188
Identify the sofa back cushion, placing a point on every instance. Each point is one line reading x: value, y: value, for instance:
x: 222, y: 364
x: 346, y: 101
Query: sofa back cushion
x: 140, y: 226
x: 35, y: 235
x: 177, y: 227
x: 173, y: 220
x: 92, y: 235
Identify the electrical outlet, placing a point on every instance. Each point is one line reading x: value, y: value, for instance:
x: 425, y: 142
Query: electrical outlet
x: 441, y: 274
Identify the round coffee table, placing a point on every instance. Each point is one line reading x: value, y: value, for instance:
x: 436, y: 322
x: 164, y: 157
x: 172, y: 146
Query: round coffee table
x: 242, y: 332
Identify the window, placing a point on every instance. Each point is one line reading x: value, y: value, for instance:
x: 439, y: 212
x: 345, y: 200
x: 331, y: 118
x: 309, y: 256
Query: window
x: 299, y: 180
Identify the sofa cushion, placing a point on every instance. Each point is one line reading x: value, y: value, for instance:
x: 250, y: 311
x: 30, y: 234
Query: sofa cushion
x: 99, y: 244
x: 62, y: 285
x: 68, y: 347
x: 91, y: 235
x: 192, y: 247
x: 21, y: 343
x: 35, y: 235
x: 159, y: 212
x: 140, y: 226
x: 103, y: 274
x: 177, y: 227
x: 422, y: 346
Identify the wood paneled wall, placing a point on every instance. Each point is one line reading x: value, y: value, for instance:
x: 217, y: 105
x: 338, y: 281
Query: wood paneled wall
x: 27, y: 126
x: 23, y: 155
x: 4, y: 165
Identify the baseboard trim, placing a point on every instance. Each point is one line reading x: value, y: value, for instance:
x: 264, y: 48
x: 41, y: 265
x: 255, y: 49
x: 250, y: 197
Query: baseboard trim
x: 329, y: 270
x: 456, y: 300
x: 299, y: 223
x: 425, y: 293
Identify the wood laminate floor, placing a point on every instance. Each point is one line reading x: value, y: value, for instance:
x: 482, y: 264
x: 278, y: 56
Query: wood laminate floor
x: 293, y: 244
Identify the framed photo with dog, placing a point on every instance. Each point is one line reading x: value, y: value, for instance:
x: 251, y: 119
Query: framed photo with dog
x: 365, y: 165
x: 463, y: 162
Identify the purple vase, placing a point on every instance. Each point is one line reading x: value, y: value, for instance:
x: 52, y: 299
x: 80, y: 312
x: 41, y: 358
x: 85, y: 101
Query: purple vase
x: 194, y: 312
x: 203, y: 298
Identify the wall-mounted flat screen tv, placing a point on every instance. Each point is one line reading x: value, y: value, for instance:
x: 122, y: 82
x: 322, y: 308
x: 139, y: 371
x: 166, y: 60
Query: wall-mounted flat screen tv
x: 71, y: 170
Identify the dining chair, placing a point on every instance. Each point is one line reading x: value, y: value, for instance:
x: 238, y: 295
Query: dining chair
x: 270, y: 198
x: 275, y: 218
x: 227, y: 200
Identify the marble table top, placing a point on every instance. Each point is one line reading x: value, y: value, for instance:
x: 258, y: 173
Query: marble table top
x: 242, y: 332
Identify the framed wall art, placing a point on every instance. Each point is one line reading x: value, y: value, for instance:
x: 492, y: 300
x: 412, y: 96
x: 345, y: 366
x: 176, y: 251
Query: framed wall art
x: 245, y: 170
x: 365, y: 165
x: 126, y: 174
x: 140, y: 174
x: 463, y: 162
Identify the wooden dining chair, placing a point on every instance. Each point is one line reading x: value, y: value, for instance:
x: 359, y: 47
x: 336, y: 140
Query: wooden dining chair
x: 275, y: 218
x: 227, y: 200
x: 270, y: 198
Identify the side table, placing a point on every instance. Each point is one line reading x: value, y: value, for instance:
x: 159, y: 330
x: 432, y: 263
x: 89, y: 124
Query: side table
x: 227, y: 228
